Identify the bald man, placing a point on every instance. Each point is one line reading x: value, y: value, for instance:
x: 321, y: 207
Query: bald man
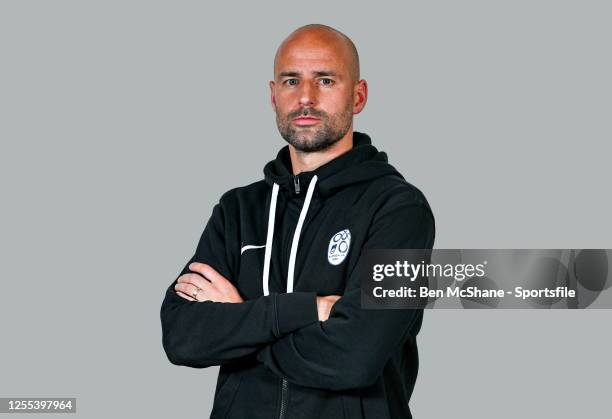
x: 272, y: 292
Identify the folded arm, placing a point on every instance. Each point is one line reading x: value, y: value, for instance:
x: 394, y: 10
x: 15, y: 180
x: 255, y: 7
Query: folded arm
x: 352, y: 347
x: 205, y: 333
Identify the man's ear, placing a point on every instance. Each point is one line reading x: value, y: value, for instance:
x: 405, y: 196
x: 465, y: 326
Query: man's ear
x: 360, y: 95
x: 272, y: 97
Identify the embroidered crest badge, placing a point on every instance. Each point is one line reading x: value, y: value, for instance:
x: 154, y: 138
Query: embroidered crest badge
x: 338, y: 247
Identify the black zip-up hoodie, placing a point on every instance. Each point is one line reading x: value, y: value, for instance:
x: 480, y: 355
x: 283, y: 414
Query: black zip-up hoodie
x: 282, y: 241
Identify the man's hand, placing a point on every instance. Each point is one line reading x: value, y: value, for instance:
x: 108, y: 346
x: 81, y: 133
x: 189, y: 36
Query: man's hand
x: 325, y: 304
x: 211, y: 284
x: 215, y: 287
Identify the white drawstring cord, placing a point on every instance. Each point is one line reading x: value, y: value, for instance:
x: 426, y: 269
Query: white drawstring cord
x: 268, y: 254
x: 296, y: 235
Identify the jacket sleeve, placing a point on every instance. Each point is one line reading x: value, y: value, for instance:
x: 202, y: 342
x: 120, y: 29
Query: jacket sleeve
x: 350, y: 349
x: 202, y: 334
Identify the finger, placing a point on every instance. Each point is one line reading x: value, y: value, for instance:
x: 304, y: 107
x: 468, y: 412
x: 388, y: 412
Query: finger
x: 202, y: 283
x: 184, y: 278
x: 194, y: 279
x: 207, y: 271
x: 187, y: 289
x: 205, y: 289
x: 189, y: 277
x: 198, y: 267
x: 185, y: 296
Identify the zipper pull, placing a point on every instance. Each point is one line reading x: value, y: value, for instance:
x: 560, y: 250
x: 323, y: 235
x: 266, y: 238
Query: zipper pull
x: 296, y: 184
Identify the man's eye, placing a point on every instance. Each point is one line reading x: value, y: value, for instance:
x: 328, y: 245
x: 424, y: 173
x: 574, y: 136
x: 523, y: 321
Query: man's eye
x: 326, y: 82
x: 291, y: 82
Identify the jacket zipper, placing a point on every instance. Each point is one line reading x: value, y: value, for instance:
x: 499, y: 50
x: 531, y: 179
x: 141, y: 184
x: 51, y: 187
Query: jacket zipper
x: 296, y: 184
x: 284, y: 383
x: 283, y: 404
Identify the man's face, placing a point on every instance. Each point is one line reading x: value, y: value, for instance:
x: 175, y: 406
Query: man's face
x: 313, y: 94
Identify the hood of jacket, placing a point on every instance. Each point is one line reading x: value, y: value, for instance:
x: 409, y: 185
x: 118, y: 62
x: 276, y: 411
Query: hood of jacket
x: 361, y: 163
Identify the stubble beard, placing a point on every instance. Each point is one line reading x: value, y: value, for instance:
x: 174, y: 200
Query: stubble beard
x: 318, y: 137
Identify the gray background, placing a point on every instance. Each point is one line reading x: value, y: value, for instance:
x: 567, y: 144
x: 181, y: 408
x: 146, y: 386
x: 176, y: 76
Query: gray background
x: 122, y: 123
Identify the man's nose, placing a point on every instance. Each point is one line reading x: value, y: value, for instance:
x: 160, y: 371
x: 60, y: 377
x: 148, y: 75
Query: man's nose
x: 307, y: 94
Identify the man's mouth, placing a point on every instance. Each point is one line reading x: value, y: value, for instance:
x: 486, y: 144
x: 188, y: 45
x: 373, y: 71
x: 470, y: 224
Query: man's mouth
x: 305, y: 120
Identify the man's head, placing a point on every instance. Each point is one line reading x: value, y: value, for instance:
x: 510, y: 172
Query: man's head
x: 316, y: 75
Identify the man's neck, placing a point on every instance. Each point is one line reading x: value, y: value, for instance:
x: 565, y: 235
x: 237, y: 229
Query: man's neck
x: 307, y: 161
